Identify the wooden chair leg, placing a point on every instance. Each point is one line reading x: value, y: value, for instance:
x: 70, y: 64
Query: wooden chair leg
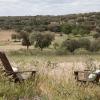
x: 33, y: 74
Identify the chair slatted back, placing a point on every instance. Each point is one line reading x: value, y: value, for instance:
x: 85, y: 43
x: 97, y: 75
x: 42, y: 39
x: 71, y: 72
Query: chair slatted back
x: 8, y: 67
x: 81, y: 75
x: 5, y: 62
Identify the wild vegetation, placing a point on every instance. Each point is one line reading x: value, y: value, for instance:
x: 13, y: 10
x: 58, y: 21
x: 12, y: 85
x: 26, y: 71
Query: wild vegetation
x: 49, y: 86
x: 56, y: 46
x: 74, y: 23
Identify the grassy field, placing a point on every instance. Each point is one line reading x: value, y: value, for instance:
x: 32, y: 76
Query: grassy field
x: 54, y: 80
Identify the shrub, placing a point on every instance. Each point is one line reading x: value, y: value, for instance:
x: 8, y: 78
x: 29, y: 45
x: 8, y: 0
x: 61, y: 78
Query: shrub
x: 71, y: 45
x: 15, y: 37
x: 66, y: 28
x: 81, y: 51
x: 84, y: 43
x: 62, y: 51
x: 42, y: 40
x: 95, y: 45
x: 80, y: 30
x: 28, y: 29
x: 54, y: 28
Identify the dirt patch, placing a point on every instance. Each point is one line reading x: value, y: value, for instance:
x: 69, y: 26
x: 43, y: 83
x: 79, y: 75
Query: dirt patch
x: 6, y: 35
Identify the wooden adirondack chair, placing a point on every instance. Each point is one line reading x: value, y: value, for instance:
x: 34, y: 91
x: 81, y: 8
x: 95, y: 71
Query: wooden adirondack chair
x: 9, y: 70
x: 82, y: 76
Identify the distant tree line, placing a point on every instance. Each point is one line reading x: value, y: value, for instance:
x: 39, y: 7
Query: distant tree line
x: 73, y: 23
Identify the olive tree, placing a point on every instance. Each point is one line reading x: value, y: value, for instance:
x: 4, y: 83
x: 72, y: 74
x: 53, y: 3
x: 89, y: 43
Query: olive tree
x: 70, y: 45
x: 25, y: 39
x: 41, y: 40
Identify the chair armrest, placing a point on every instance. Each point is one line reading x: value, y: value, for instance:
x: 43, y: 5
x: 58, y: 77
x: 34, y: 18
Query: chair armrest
x: 25, y: 71
x: 33, y: 71
x: 88, y: 70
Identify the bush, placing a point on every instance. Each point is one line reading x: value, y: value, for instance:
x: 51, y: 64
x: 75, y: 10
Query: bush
x: 42, y: 40
x: 71, y: 45
x: 81, y: 51
x: 53, y: 28
x: 62, y: 51
x: 15, y: 37
x: 95, y: 46
x: 80, y: 30
x: 66, y: 28
x: 84, y: 43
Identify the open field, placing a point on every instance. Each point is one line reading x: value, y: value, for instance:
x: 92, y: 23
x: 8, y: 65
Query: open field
x: 54, y: 80
x: 18, y: 52
x: 6, y: 35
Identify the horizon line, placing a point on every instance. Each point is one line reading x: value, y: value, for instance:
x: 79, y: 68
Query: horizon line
x: 51, y: 14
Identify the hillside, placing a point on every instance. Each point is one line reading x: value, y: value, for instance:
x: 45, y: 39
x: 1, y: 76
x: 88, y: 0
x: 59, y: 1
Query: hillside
x: 50, y: 23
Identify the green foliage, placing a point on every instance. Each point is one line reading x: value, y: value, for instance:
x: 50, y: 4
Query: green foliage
x: 32, y: 37
x: 16, y: 37
x: 42, y: 40
x: 88, y: 22
x: 95, y: 45
x: 84, y: 43
x: 54, y: 27
x: 62, y: 51
x: 80, y: 30
x: 70, y: 45
x: 25, y: 39
x: 82, y: 51
x: 66, y: 28
x: 28, y: 29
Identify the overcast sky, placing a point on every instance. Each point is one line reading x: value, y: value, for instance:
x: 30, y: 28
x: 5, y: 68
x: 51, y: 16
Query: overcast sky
x: 47, y: 7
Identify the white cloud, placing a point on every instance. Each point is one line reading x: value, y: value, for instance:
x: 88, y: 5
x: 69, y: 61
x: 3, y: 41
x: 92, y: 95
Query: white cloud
x: 47, y: 7
x: 7, y: 1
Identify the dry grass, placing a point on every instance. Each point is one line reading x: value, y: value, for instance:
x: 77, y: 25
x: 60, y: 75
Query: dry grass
x: 55, y: 74
x: 55, y: 79
x: 6, y: 35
